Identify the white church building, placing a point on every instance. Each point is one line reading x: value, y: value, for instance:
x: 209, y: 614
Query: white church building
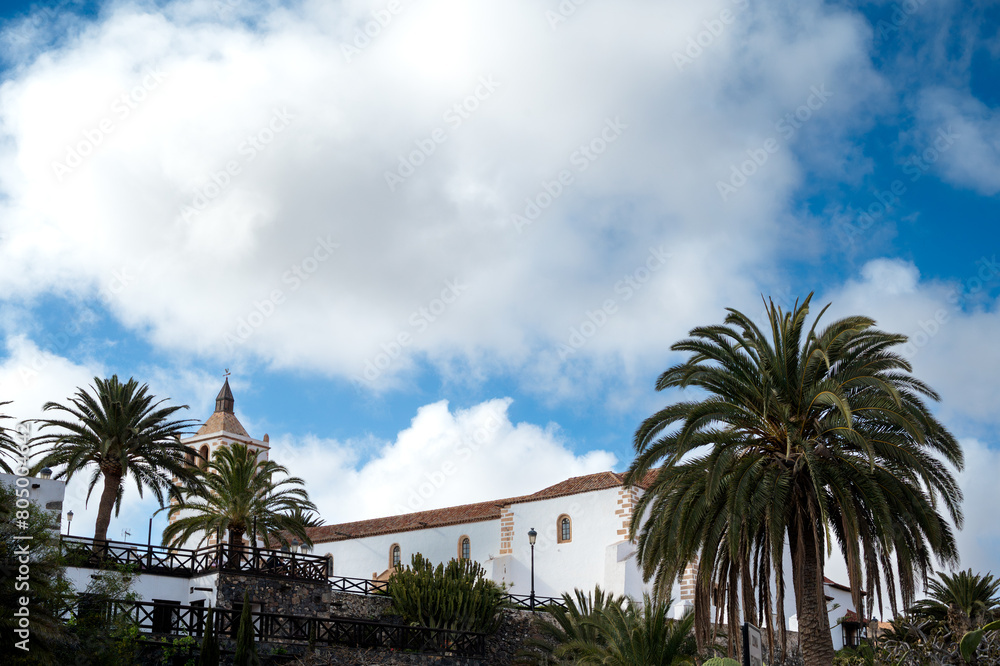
x: 582, y: 539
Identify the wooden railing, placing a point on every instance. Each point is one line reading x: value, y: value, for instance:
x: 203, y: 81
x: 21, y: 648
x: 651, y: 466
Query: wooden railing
x: 161, y: 560
x: 159, y: 619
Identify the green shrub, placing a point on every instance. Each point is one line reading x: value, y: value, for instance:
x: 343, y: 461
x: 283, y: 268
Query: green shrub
x: 455, y: 596
x: 180, y: 647
x: 107, y: 632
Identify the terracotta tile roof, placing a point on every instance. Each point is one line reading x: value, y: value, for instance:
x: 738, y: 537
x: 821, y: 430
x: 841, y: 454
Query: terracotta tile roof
x: 220, y: 421
x: 851, y: 616
x: 465, y: 513
x: 838, y: 586
x: 453, y: 515
x: 574, y: 486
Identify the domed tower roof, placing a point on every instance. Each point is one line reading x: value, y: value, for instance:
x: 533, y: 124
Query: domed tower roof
x: 223, y: 419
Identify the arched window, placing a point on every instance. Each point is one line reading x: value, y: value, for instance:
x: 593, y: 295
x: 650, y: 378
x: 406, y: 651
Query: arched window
x: 395, y: 556
x: 329, y: 564
x: 190, y: 458
x: 203, y: 463
x: 564, y: 529
x: 464, y: 548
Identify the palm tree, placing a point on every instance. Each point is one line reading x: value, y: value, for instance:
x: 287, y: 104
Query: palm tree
x: 120, y: 430
x: 7, y: 446
x: 638, y: 635
x: 805, y: 438
x: 561, y: 632
x: 236, y: 487
x: 959, y: 602
x: 306, y: 518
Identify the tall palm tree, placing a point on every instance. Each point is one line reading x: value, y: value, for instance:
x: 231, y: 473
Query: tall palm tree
x: 237, y: 487
x: 959, y: 602
x: 120, y: 430
x: 817, y: 437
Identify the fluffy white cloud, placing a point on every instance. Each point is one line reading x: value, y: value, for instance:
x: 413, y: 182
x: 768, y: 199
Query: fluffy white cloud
x: 950, y: 325
x: 30, y: 376
x: 444, y: 458
x: 959, y: 138
x: 224, y: 190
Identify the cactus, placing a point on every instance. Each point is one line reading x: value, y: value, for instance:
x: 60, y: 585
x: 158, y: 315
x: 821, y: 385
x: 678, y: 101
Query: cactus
x: 453, y: 596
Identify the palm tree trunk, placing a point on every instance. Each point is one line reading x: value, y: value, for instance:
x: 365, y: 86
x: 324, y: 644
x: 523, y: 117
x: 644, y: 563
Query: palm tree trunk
x: 235, y: 542
x: 807, y: 574
x: 112, y: 482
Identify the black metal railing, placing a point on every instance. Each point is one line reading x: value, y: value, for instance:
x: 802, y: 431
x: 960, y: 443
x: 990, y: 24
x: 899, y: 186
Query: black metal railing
x: 357, y: 585
x: 159, y: 619
x: 524, y: 602
x: 162, y: 560
x: 368, y: 587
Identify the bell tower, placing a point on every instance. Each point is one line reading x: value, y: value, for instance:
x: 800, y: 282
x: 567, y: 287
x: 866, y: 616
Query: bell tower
x: 221, y: 429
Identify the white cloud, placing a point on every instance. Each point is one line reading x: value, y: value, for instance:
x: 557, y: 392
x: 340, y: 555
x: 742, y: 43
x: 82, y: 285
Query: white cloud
x: 950, y: 325
x: 951, y: 118
x: 31, y: 376
x: 178, y: 108
x: 443, y: 459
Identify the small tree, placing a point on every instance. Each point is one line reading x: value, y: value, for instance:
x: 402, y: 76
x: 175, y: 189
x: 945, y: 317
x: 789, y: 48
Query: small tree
x: 246, y: 651
x: 210, y: 643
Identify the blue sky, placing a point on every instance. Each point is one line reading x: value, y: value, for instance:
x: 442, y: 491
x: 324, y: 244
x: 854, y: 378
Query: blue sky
x: 512, y: 207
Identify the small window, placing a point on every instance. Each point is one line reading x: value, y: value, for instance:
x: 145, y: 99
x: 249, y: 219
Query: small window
x: 203, y: 463
x: 190, y: 458
x: 329, y: 564
x: 464, y: 548
x: 564, y: 529
x: 395, y: 556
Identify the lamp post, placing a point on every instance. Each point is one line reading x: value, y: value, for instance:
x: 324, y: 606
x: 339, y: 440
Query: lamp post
x: 532, y: 535
x: 69, y: 521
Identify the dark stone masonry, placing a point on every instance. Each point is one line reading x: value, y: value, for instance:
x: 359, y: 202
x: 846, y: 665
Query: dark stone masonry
x: 315, y: 599
x: 276, y: 595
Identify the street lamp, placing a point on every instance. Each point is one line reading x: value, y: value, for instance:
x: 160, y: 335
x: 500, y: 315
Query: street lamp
x: 69, y: 521
x: 532, y: 535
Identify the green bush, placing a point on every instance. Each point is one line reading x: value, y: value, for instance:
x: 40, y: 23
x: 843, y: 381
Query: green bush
x: 180, y: 647
x: 455, y: 596
x: 107, y: 632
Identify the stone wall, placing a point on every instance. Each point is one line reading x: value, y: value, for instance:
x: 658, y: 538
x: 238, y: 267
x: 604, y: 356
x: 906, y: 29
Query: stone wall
x: 364, y: 607
x: 501, y: 647
x: 276, y: 595
x: 316, y: 600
